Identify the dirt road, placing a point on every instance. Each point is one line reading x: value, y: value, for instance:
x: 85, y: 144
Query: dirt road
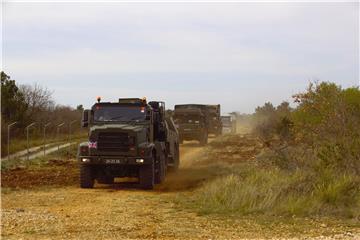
x: 64, y: 211
x: 107, y: 211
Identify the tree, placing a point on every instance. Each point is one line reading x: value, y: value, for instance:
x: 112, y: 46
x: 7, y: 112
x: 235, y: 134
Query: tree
x: 38, y: 99
x: 80, y: 108
x: 13, y: 104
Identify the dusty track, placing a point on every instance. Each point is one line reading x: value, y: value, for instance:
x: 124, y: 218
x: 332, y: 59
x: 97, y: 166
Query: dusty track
x: 53, y: 207
x: 105, y: 212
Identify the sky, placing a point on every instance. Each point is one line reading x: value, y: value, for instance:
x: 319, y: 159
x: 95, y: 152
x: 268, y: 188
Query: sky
x: 239, y: 55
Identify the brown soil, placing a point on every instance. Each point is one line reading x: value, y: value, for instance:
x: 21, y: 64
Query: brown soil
x: 54, y: 173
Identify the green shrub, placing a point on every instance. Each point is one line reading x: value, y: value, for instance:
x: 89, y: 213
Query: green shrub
x: 276, y: 192
x: 311, y: 166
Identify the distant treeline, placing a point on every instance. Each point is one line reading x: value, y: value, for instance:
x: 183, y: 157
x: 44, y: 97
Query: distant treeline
x: 25, y: 104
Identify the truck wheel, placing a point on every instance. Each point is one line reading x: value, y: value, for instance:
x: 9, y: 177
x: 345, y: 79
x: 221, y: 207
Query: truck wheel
x: 175, y: 167
x: 160, y: 169
x: 146, y: 176
x: 204, y: 140
x: 86, y: 176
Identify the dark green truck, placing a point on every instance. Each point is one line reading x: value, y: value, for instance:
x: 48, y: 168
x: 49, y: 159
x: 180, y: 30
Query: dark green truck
x: 197, y: 121
x: 128, y: 138
x: 215, y: 124
x: 192, y: 121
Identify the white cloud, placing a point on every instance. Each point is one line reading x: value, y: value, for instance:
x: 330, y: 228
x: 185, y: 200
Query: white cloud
x: 48, y: 41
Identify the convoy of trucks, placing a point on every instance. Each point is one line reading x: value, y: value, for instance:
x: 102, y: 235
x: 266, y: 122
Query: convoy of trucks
x: 139, y: 139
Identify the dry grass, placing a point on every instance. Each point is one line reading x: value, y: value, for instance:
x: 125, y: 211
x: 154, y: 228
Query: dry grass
x: 258, y: 186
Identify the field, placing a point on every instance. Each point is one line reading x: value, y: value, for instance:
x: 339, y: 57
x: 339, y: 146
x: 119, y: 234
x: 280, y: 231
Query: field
x: 42, y: 200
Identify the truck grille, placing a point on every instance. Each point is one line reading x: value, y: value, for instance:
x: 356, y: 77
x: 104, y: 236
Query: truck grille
x: 113, y: 142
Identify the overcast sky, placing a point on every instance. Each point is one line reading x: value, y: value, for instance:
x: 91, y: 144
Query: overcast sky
x: 236, y: 54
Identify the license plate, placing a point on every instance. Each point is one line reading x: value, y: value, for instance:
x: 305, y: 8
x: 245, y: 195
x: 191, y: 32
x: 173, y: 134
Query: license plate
x: 114, y: 161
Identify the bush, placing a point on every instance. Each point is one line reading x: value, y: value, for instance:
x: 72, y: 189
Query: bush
x: 270, y: 121
x: 311, y: 165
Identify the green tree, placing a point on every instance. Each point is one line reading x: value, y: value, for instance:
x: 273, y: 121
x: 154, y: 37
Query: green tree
x: 13, y: 106
x: 80, y: 108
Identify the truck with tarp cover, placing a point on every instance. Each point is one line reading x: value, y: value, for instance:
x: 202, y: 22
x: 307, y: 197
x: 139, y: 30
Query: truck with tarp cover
x: 215, y: 125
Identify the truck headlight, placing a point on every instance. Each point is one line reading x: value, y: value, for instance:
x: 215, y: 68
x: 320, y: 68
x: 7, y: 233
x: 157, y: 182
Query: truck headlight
x: 139, y: 160
x: 85, y: 160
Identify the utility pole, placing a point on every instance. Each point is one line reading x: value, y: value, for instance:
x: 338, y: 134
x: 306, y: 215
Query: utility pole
x: 8, y: 142
x: 46, y: 125
x: 27, y: 138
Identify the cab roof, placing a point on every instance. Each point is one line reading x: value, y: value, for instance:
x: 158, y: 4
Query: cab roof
x: 126, y: 101
x: 188, y: 111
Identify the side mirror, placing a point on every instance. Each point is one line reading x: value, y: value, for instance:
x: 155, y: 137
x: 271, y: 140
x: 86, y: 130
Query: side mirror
x: 85, y: 118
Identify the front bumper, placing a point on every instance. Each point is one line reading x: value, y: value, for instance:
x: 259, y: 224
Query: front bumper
x: 114, y: 160
x: 190, y: 134
x: 226, y: 130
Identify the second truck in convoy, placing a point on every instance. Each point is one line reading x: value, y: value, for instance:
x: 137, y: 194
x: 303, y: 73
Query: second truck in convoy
x: 128, y: 138
x: 197, y: 121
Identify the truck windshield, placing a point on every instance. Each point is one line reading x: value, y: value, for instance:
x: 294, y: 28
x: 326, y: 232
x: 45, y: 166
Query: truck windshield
x: 188, y: 119
x: 119, y: 113
x: 226, y: 121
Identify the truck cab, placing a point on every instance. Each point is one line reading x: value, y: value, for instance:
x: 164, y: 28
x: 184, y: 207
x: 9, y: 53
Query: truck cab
x: 228, y: 124
x: 192, y: 123
x: 127, y: 138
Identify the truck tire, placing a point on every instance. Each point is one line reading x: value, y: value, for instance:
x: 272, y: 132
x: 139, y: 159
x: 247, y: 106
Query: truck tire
x: 218, y: 132
x: 176, y: 157
x: 203, y: 139
x: 86, y: 176
x: 147, y: 176
x: 160, y: 172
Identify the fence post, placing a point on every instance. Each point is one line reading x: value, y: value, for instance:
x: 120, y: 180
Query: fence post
x: 27, y: 138
x: 57, y: 133
x: 47, y: 124
x: 8, y: 142
x: 71, y: 123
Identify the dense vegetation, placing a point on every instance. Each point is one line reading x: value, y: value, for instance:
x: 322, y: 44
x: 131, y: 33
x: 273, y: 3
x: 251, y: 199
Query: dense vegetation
x: 310, y: 165
x: 25, y: 104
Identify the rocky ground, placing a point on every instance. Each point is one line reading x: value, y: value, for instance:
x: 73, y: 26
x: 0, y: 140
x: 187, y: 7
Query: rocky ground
x: 46, y: 203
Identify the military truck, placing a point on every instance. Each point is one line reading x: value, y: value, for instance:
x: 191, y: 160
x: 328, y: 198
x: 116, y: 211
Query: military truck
x: 228, y: 124
x: 128, y: 138
x: 192, y: 121
x: 215, y: 125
